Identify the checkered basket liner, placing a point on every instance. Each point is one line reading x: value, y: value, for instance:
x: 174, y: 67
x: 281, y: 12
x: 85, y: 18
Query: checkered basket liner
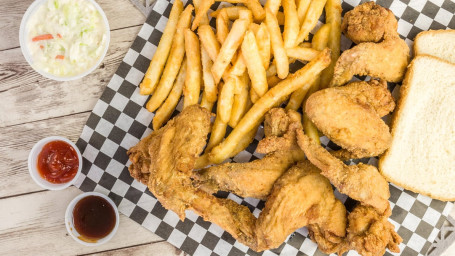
x: 119, y: 120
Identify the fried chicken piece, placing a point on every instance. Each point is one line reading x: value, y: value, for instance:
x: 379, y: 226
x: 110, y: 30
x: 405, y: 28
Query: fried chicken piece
x: 279, y: 130
x: 381, y: 53
x: 369, y: 22
x: 369, y: 233
x: 361, y: 182
x: 252, y: 179
x: 351, y: 117
x: 300, y: 197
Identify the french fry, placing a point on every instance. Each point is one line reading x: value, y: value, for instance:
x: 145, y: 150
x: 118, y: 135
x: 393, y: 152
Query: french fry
x: 253, y: 95
x: 217, y: 134
x: 206, y: 103
x: 174, y: 62
x: 310, y: 129
x: 231, y: 11
x: 163, y: 114
x: 253, y: 117
x: 246, y: 15
x: 263, y: 41
x: 210, y: 89
x: 205, y: 18
x: 222, y: 26
x: 291, y: 23
x: 302, y: 8
x: 239, y: 66
x: 228, y: 49
x: 279, y: 52
x: 302, y: 53
x: 209, y: 41
x: 271, y: 71
x: 226, y: 99
x: 311, y: 19
x: 241, y: 101
x: 273, y: 6
x: 193, y: 74
x: 319, y: 43
x: 201, y: 12
x: 273, y: 80
x: 256, y: 9
x: 254, y: 27
x: 152, y: 76
x: 333, y: 18
x: 252, y: 57
x: 305, y: 44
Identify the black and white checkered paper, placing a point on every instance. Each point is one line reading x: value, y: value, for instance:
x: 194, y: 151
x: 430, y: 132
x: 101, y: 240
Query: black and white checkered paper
x: 119, y: 120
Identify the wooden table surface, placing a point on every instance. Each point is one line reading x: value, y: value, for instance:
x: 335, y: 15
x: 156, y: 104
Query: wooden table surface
x: 33, y: 107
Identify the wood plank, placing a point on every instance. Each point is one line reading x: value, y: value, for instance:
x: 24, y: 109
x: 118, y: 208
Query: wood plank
x: 35, y: 223
x: 155, y: 249
x: 26, y: 96
x: 121, y: 14
x: 17, y: 141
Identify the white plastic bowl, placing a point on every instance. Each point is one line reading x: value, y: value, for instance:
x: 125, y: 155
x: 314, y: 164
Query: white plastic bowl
x: 33, y: 159
x: 25, y: 51
x: 69, y: 220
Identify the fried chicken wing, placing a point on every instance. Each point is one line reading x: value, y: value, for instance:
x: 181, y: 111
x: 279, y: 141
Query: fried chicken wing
x: 370, y: 233
x: 300, y: 197
x: 351, y: 117
x: 252, y: 179
x: 381, y: 53
x: 361, y: 182
x: 369, y: 22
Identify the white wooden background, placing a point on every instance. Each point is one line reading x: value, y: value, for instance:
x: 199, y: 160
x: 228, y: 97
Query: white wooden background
x: 33, y: 107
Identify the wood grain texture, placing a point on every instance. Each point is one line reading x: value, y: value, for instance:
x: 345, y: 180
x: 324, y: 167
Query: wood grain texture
x: 16, y: 143
x: 26, y: 96
x: 155, y: 249
x: 35, y: 223
x: 120, y: 14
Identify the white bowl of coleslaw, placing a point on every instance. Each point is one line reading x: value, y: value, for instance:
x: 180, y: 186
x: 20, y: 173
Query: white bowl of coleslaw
x: 64, y: 39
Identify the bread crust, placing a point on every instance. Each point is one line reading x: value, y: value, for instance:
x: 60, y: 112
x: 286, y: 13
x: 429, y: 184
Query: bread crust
x: 395, y: 119
x: 424, y: 33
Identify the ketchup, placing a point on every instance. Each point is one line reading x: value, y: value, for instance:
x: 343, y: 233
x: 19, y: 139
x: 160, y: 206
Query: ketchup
x: 58, y: 162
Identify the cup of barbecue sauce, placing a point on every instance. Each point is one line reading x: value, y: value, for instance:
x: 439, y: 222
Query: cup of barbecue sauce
x: 54, y: 163
x: 92, y: 218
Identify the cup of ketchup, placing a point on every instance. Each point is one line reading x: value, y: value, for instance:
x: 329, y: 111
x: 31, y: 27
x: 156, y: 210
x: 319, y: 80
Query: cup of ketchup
x: 54, y: 163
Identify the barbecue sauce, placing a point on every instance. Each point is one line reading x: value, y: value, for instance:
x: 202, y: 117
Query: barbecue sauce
x: 58, y: 162
x: 94, y: 218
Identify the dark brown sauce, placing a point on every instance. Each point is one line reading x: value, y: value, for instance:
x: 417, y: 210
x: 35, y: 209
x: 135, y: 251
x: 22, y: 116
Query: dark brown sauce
x: 94, y: 218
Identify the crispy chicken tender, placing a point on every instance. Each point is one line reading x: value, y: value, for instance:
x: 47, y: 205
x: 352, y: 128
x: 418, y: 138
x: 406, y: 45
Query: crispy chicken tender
x: 370, y: 233
x: 300, y: 197
x: 361, y: 182
x: 369, y: 22
x: 381, y: 53
x: 351, y: 117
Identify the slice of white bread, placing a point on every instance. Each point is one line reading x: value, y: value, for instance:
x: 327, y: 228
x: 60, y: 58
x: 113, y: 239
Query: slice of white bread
x: 439, y: 43
x: 422, y: 153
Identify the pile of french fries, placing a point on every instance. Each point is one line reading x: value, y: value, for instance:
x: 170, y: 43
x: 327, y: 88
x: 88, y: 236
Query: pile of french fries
x: 243, y: 67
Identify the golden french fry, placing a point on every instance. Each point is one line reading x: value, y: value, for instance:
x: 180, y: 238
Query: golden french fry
x: 232, y: 12
x: 291, y: 23
x: 246, y: 15
x: 254, y: 27
x: 310, y: 129
x: 205, y: 18
x: 193, y: 74
x: 222, y: 26
x: 205, y: 103
x: 210, y: 89
x: 302, y: 8
x: 252, y: 57
x: 273, y: 6
x: 279, y: 52
x: 256, y: 9
x: 311, y: 19
x: 253, y: 95
x: 241, y: 101
x: 252, y: 118
x: 165, y: 111
x: 209, y: 41
x: 228, y: 49
x: 333, y: 18
x: 174, y: 62
x: 280, y: 18
x: 271, y: 71
x: 272, y: 81
x: 302, y: 53
x: 319, y: 43
x: 226, y: 99
x: 305, y: 44
x: 239, y: 66
x: 263, y: 41
x: 153, y: 74
x: 201, y: 12
x: 217, y: 134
